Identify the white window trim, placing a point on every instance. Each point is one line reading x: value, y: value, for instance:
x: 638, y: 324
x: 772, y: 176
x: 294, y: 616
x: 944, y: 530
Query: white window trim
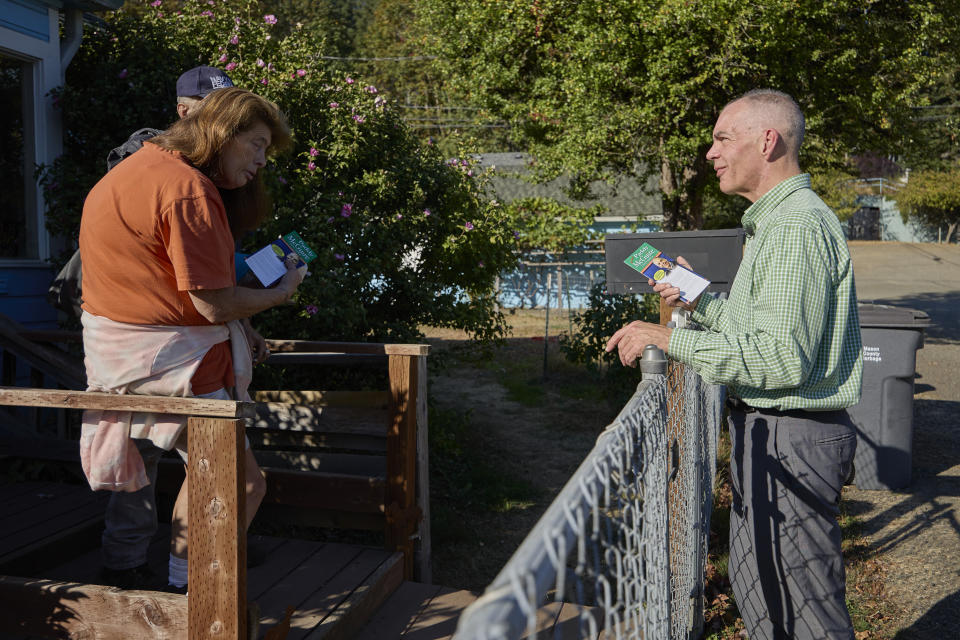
x: 41, y: 119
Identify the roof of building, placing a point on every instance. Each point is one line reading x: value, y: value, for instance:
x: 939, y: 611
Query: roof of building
x: 629, y: 200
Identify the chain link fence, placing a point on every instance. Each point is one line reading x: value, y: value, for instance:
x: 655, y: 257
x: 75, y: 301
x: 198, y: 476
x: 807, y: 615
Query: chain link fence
x: 622, y: 549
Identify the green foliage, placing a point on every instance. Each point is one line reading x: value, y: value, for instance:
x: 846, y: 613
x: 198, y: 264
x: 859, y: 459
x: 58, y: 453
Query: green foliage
x: 605, y: 314
x: 839, y: 189
x: 602, y: 87
x: 405, y: 236
x: 548, y: 225
x: 466, y: 477
x: 932, y: 198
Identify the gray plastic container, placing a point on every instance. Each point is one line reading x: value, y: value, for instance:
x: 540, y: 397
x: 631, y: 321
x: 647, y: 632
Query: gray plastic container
x: 884, y: 415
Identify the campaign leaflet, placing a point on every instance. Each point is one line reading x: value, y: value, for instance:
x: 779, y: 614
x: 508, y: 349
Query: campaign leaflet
x: 660, y: 267
x: 267, y: 263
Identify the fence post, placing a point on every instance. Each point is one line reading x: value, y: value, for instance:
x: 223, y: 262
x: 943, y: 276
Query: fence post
x: 402, y: 514
x: 217, y: 558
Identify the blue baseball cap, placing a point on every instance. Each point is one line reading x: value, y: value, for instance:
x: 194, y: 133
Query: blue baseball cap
x: 200, y: 81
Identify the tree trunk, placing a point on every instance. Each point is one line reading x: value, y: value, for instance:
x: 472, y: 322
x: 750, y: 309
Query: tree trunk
x: 950, y: 229
x: 682, y: 193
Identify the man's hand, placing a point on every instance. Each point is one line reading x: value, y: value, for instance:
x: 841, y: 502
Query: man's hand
x: 633, y: 338
x: 670, y: 293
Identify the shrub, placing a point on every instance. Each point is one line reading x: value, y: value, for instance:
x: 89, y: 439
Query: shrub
x: 605, y: 314
x: 405, y: 237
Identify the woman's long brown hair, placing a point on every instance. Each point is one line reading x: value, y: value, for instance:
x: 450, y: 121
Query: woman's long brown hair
x: 203, y: 135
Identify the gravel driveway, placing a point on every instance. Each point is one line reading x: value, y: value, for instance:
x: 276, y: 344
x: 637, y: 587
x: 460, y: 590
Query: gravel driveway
x: 916, y: 531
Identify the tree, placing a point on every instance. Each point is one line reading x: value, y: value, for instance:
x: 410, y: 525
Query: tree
x: 406, y: 236
x: 601, y: 88
x: 932, y: 198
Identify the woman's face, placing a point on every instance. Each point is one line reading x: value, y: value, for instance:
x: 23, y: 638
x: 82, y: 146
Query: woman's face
x: 243, y: 156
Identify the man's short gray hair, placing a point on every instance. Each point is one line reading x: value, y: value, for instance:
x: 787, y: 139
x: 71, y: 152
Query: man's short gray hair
x: 781, y: 109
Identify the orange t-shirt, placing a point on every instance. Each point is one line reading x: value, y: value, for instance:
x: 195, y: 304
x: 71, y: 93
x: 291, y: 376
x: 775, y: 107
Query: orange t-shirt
x: 154, y: 228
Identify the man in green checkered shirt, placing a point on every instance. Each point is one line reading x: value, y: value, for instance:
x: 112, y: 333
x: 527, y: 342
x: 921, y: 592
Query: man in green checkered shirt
x: 787, y: 345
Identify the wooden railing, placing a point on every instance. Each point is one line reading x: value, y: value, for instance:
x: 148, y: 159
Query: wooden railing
x: 396, y: 499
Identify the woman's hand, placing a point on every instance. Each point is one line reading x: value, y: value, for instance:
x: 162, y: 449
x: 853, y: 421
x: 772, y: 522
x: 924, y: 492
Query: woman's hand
x: 292, y: 278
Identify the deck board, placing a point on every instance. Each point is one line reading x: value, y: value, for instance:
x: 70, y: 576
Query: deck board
x: 43, y: 523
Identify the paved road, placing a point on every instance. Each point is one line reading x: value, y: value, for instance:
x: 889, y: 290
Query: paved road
x: 916, y: 531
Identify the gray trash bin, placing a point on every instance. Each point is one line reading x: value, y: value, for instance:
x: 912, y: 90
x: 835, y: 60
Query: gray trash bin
x: 884, y: 415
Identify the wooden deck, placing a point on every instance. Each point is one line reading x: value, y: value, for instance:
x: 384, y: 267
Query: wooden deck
x: 50, y: 532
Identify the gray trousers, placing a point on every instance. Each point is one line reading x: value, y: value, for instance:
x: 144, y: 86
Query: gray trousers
x: 130, y: 521
x: 787, y: 470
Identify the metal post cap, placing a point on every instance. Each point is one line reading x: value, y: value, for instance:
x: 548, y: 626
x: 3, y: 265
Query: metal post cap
x: 653, y: 360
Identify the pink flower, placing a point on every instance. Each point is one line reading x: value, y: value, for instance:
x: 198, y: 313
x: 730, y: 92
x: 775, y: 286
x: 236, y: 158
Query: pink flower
x: 346, y: 210
x: 210, y: 2
x: 207, y: 14
x: 350, y: 80
x: 334, y: 105
x: 339, y: 256
x: 269, y: 66
x: 468, y: 226
x: 399, y: 216
x: 159, y: 14
x: 314, y: 152
x: 231, y: 66
x: 155, y: 3
x: 311, y: 166
x: 379, y: 101
x: 301, y: 72
x: 358, y: 119
x: 264, y: 81
x: 222, y: 58
x: 234, y: 40
x: 480, y: 264
x: 236, y: 21
x: 260, y: 62
x: 270, y: 18
x: 370, y: 89
x: 311, y: 309
x: 426, y: 212
x: 122, y: 74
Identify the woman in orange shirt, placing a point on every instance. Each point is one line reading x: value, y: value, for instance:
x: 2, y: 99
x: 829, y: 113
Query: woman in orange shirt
x: 162, y: 312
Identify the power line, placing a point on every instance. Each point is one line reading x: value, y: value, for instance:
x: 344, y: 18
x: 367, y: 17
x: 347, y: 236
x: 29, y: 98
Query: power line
x: 396, y: 59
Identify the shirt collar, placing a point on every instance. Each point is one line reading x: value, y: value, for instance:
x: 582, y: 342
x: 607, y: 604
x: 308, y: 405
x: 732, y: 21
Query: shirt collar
x: 755, y: 214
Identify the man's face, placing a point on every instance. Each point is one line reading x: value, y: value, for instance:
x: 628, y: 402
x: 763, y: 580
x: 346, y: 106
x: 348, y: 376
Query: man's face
x: 243, y: 156
x: 737, y: 152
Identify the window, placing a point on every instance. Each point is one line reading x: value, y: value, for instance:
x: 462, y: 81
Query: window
x: 17, y: 229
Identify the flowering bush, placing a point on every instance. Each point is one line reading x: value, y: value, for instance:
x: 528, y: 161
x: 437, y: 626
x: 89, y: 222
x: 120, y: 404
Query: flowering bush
x: 405, y: 237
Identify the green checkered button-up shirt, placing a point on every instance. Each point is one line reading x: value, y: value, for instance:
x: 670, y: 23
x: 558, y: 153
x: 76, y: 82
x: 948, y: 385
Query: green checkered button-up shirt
x: 788, y: 337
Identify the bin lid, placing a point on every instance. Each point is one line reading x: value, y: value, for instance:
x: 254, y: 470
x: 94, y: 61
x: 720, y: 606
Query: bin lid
x: 882, y: 315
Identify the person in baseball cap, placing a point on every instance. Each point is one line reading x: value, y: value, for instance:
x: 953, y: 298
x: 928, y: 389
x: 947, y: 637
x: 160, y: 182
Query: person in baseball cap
x: 194, y: 85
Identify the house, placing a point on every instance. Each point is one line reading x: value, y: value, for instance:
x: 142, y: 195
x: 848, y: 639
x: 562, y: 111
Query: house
x: 631, y: 203
x: 33, y: 59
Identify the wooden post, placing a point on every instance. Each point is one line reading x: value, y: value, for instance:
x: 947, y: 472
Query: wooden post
x: 217, y: 557
x: 423, y: 569
x: 402, y: 514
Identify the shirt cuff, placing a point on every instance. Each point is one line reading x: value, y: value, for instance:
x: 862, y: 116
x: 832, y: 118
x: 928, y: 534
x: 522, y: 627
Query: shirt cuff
x: 683, y: 344
x: 707, y: 310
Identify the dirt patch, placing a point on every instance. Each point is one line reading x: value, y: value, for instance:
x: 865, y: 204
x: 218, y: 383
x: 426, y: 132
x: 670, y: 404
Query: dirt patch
x: 915, y: 532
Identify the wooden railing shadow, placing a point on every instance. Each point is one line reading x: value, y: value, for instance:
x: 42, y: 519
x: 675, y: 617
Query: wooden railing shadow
x: 350, y: 495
